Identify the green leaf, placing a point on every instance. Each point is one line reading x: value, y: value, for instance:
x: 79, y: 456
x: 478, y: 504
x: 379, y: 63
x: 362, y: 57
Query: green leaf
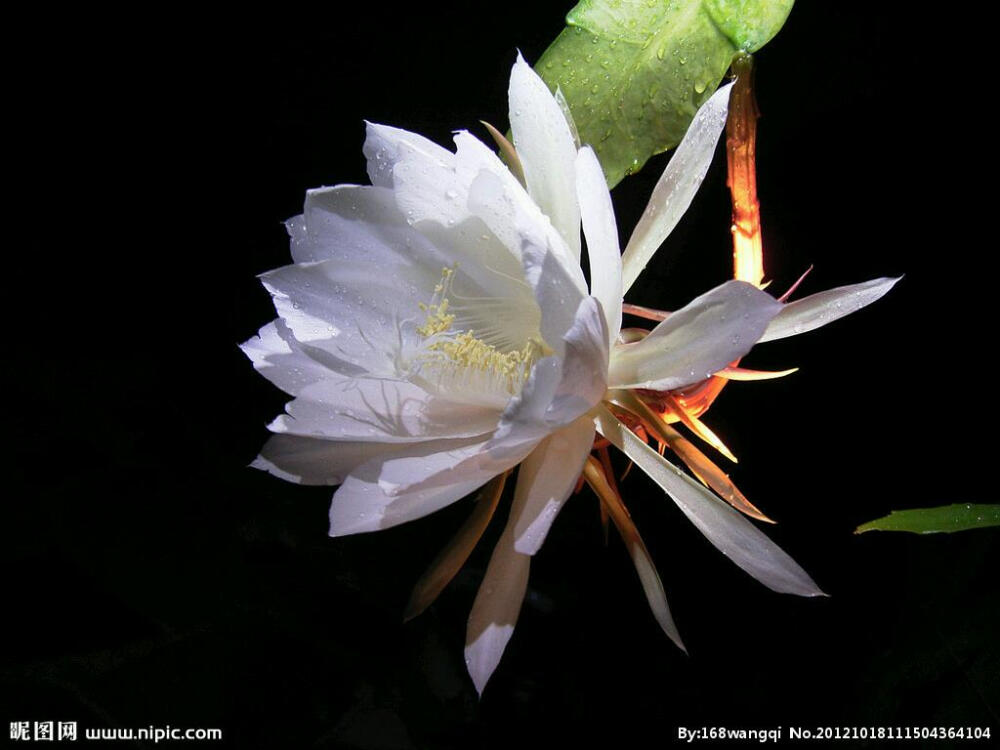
x: 749, y: 24
x: 634, y: 72
x: 946, y: 518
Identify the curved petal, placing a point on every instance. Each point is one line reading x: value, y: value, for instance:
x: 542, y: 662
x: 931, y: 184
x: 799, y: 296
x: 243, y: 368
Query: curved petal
x: 349, y: 310
x: 545, y: 145
x: 390, y: 411
x: 430, y: 190
x: 357, y: 508
x: 731, y: 533
x: 305, y: 460
x: 361, y: 224
x: 545, y: 480
x: 496, y: 608
x: 602, y: 238
x: 564, y: 106
x: 704, y: 336
x: 281, y: 359
x: 559, y: 391
x: 584, y: 366
x: 407, y: 484
x: 556, y: 292
x: 351, y: 222
x: 386, y: 146
x: 343, y: 407
x: 515, y: 220
x: 677, y: 186
x: 523, y: 421
x: 817, y: 310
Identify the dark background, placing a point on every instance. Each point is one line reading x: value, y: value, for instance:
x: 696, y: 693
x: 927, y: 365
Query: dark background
x: 152, y: 579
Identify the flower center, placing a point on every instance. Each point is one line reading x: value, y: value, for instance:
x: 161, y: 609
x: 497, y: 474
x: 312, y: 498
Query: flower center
x: 484, y: 365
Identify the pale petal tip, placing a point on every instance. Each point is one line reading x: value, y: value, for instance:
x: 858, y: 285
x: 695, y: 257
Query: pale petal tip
x: 483, y: 655
x: 341, y: 527
x: 413, y: 608
x: 344, y: 523
x: 806, y: 587
x: 263, y: 464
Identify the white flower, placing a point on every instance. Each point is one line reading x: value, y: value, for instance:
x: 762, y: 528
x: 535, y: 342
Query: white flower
x: 436, y: 330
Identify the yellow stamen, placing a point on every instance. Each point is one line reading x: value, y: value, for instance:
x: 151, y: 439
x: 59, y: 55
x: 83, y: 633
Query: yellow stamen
x: 455, y: 355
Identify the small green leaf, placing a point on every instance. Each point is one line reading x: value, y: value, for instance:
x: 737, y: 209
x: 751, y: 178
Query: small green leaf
x: 634, y: 72
x: 946, y: 518
x: 749, y: 24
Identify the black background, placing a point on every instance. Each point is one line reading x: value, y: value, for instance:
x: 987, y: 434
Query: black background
x: 152, y: 579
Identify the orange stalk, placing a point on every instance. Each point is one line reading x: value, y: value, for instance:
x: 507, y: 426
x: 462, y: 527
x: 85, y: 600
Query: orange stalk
x: 741, y: 152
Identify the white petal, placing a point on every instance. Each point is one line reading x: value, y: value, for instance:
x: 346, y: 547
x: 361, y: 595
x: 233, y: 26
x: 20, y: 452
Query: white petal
x: 819, y: 309
x: 389, y: 490
x: 559, y: 391
x: 354, y: 223
x: 556, y: 293
x: 387, y: 146
x: 363, y: 272
x: 313, y: 461
x: 496, y: 608
x: 678, y: 184
x: 426, y: 192
x: 349, y: 310
x: 281, y: 359
x: 415, y: 480
x: 564, y: 106
x: 348, y: 222
x: 359, y: 224
x: 704, y: 336
x: 601, y: 232
x: 427, y: 470
x: 546, y: 479
x: 524, y: 420
x: 359, y: 506
x: 516, y: 220
x: 584, y: 366
x: 730, y: 532
x: 544, y: 141
x: 431, y: 186
x: 389, y: 411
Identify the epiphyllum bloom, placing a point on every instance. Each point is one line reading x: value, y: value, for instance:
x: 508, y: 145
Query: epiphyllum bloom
x: 436, y: 330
